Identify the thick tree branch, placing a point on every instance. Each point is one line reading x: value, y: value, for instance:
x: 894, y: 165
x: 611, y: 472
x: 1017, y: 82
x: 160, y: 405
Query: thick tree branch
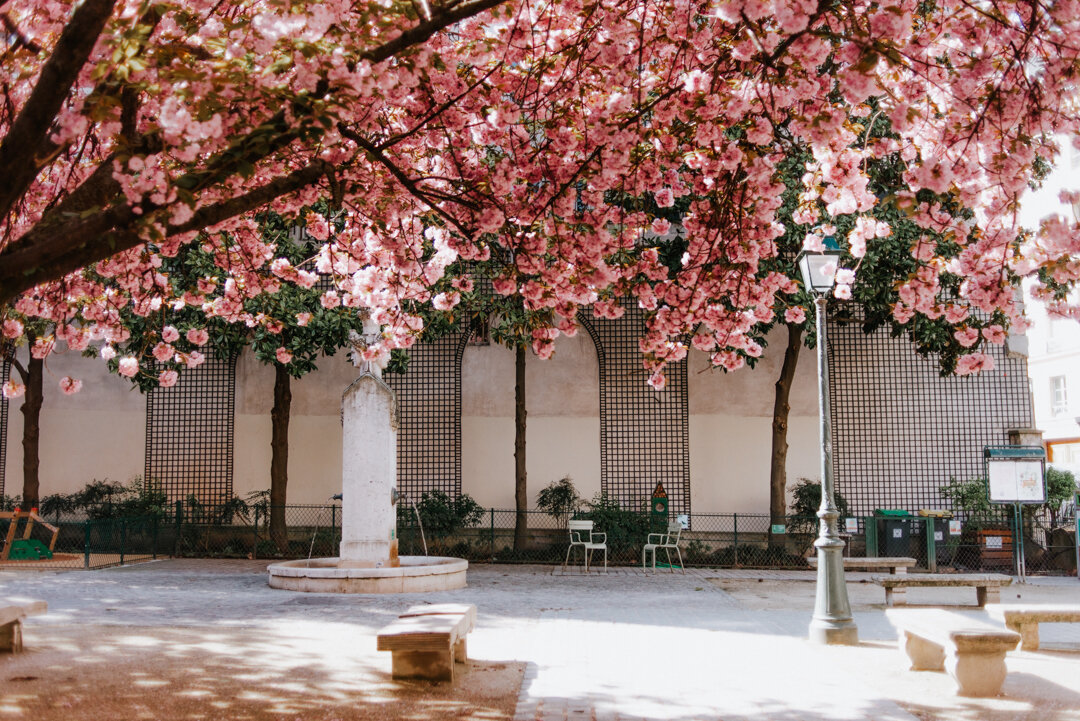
x: 83, y: 240
x: 419, y: 34
x: 22, y: 147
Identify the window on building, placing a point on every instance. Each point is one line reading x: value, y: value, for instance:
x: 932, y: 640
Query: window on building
x: 1059, y: 399
x: 1066, y: 453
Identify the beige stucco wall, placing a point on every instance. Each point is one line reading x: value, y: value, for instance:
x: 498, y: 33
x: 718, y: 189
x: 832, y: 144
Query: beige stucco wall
x: 96, y: 434
x: 99, y: 433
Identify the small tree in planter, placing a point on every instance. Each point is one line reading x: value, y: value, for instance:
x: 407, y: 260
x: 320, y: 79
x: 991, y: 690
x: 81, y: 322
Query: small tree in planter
x: 559, y: 499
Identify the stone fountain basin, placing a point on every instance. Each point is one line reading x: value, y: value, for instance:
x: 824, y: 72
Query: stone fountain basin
x: 416, y: 574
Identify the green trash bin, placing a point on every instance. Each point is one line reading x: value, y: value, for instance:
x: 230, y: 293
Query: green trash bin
x: 894, y: 532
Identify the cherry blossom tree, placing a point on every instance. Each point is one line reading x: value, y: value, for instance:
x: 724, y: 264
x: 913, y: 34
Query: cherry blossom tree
x: 508, y: 133
x: 290, y: 327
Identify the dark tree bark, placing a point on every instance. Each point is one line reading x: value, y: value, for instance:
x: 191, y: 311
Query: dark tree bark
x: 521, y: 494
x: 781, y: 411
x: 279, y: 456
x: 32, y: 377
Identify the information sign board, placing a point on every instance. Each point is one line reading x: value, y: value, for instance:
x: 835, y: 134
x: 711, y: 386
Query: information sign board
x: 1015, y: 474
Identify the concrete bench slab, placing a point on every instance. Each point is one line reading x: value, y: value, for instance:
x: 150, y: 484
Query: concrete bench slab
x: 1025, y: 619
x: 11, y: 618
x: 987, y: 585
x: 971, y: 651
x: 467, y: 610
x: 899, y: 564
x: 423, y: 646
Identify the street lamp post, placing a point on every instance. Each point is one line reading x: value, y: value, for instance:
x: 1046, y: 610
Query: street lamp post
x: 832, y: 622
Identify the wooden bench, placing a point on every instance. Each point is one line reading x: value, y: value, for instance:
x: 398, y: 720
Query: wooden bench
x: 426, y: 641
x: 971, y: 651
x: 899, y: 564
x: 1025, y: 619
x: 12, y: 613
x: 987, y: 585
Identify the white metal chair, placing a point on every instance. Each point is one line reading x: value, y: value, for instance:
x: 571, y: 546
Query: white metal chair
x: 666, y: 541
x: 582, y: 534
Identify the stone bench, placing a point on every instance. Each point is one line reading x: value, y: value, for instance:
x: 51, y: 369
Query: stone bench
x: 971, y: 651
x: 1025, y: 619
x: 12, y: 613
x: 987, y: 585
x: 899, y: 564
x: 426, y: 641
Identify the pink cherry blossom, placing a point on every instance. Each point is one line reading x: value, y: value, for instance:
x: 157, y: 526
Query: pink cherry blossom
x: 11, y: 389
x: 302, y: 319
x: 974, y: 363
x: 70, y: 385
x: 13, y: 328
x: 795, y: 315
x: 197, y: 336
x: 107, y: 352
x: 163, y: 352
x: 167, y: 378
x: 129, y: 366
x: 283, y: 355
x: 169, y: 334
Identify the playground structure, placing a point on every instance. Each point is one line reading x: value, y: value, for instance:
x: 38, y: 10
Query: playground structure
x: 26, y: 548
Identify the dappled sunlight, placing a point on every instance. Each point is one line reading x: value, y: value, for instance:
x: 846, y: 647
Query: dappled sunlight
x: 240, y: 673
x: 677, y: 647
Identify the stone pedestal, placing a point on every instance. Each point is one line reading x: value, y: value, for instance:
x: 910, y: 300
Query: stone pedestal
x: 368, y: 475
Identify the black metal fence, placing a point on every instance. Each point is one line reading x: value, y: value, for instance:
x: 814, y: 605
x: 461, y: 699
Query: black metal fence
x: 983, y: 543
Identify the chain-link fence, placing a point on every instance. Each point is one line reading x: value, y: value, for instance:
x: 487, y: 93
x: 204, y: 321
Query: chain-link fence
x: 975, y: 543
x: 80, y: 542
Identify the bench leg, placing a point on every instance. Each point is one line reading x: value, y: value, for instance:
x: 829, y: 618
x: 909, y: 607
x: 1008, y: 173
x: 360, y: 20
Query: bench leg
x: 460, y: 652
x: 895, y: 596
x: 11, y: 637
x: 984, y: 595
x: 977, y: 674
x: 429, y: 665
x: 923, y: 655
x: 1029, y: 635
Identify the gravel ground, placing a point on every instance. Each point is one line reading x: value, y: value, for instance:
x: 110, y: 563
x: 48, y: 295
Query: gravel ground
x: 187, y: 639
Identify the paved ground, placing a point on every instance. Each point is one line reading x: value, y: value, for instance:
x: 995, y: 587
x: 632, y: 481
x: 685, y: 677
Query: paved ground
x: 707, y: 644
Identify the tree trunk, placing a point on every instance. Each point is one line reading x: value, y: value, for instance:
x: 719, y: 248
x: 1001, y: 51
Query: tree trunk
x: 781, y: 410
x: 31, y: 410
x: 521, y: 495
x: 279, y: 457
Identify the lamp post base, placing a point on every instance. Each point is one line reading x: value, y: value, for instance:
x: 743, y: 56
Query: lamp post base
x: 840, y: 633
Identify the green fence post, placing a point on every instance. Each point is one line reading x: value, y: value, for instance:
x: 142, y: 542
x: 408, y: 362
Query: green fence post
x: 255, y: 535
x: 123, y: 538
x: 491, y: 513
x: 86, y: 544
x: 154, y: 531
x: 870, y: 530
x: 179, y: 523
x: 931, y: 544
x: 735, y: 521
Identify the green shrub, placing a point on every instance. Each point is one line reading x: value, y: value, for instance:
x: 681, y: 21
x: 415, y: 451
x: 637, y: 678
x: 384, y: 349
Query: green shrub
x: 559, y: 499
x: 806, y: 500
x: 625, y: 529
x: 442, y: 516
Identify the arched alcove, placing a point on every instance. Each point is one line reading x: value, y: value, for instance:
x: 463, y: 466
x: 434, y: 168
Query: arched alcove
x: 563, y: 421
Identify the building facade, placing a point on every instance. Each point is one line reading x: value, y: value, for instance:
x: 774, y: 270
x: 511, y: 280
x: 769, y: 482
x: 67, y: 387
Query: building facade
x: 900, y: 430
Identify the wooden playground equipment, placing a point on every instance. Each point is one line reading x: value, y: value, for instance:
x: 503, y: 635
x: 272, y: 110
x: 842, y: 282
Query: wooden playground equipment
x: 26, y: 548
